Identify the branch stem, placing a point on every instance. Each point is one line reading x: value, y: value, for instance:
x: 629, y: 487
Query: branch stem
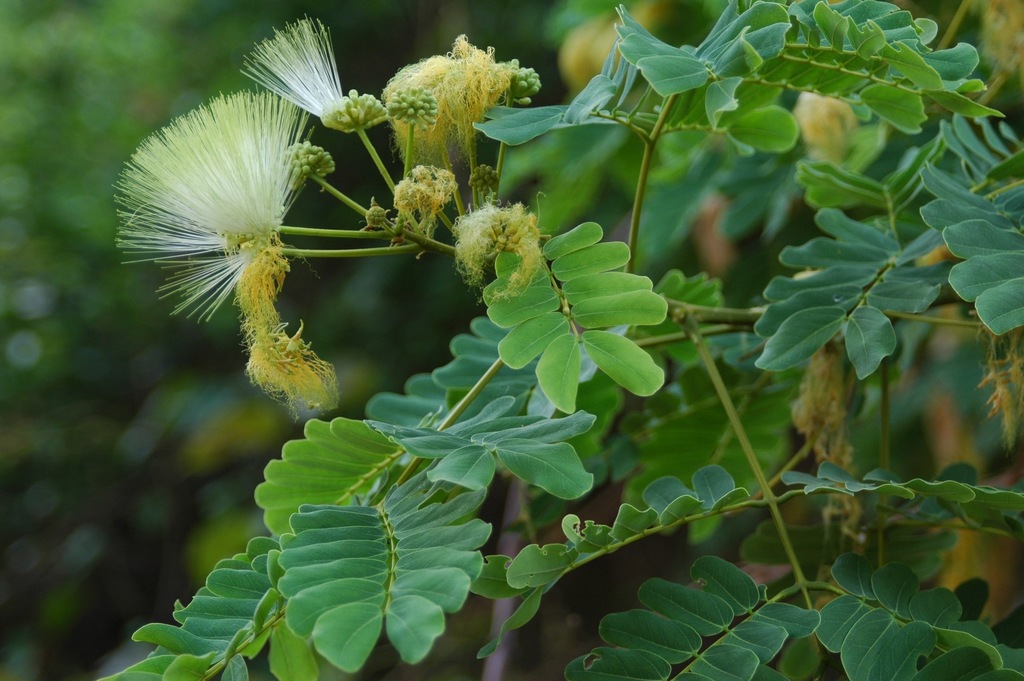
x: 376, y: 159
x: 641, y: 183
x: 330, y: 189
x: 748, y: 450
x: 351, y: 252
x: 334, y: 233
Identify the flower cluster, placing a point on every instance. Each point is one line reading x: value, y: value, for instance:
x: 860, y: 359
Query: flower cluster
x: 208, y: 194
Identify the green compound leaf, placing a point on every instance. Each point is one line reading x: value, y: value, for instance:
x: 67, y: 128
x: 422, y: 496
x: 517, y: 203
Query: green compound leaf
x: 531, y: 447
x: 884, y: 626
x: 869, y: 339
x: 545, y: 317
x: 228, y: 617
x: 746, y: 632
x: 333, y: 462
x: 349, y: 572
x: 558, y: 372
x: 625, y: 362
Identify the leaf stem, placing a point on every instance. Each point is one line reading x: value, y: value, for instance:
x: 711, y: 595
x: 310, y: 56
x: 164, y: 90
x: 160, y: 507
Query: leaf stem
x: 954, y: 24
x: 459, y: 205
x: 939, y: 321
x: 500, y: 163
x: 428, y: 244
x: 748, y: 450
x: 641, y: 183
x: 334, y: 233
x: 352, y: 252
x: 409, y: 141
x: 376, y: 159
x: 681, y: 311
x: 1005, y: 188
x: 883, y: 453
x: 330, y: 189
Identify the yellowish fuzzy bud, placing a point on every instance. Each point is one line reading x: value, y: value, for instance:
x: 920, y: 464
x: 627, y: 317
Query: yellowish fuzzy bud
x: 1004, y: 371
x: 826, y: 125
x: 490, y: 230
x: 466, y: 83
x: 422, y: 195
x: 257, y: 289
x: 819, y: 413
x: 287, y: 369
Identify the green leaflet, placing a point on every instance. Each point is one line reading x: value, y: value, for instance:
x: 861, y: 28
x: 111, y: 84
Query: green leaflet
x: 980, y: 228
x: 869, y: 339
x: 627, y: 364
x: 885, y: 625
x: 800, y: 336
x: 290, y: 656
x: 771, y: 129
x: 518, y: 126
x: 330, y: 464
x: 351, y: 572
x: 748, y: 632
x: 857, y: 275
x: 584, y: 290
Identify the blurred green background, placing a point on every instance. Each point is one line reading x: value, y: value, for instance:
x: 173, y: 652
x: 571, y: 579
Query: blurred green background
x: 130, y: 440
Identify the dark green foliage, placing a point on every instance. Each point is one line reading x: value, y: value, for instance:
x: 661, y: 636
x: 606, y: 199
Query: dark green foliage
x: 586, y: 381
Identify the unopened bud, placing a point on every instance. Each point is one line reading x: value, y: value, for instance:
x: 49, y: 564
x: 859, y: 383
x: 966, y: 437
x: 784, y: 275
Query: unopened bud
x: 308, y: 159
x: 525, y: 83
x: 376, y: 217
x: 414, y: 106
x: 484, y: 179
x: 355, y: 112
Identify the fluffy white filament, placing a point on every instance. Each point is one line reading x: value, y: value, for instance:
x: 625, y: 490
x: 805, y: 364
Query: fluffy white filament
x: 203, y: 191
x: 298, y: 64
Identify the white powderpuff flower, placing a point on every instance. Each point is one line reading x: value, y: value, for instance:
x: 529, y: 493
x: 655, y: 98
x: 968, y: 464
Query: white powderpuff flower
x: 298, y: 64
x: 207, y: 193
